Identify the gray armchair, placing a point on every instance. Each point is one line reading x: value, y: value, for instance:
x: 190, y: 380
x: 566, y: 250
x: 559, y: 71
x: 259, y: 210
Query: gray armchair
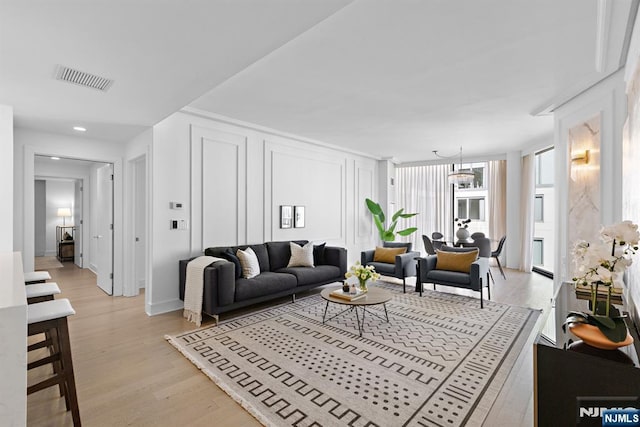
x: 476, y: 279
x: 404, y: 266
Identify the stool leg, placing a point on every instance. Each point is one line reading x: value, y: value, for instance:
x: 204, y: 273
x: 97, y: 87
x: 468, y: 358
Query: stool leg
x: 52, y: 336
x: 67, y: 366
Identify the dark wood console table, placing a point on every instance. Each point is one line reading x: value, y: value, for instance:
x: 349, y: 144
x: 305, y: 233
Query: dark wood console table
x: 565, y: 379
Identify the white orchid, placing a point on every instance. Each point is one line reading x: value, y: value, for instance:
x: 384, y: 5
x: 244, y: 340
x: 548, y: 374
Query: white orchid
x: 624, y: 233
x: 606, y: 262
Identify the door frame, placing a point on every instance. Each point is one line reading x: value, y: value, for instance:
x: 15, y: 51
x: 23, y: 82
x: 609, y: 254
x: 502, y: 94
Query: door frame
x: 28, y: 207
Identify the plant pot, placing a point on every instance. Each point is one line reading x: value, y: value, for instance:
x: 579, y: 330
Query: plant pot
x: 595, y: 338
x: 463, y: 234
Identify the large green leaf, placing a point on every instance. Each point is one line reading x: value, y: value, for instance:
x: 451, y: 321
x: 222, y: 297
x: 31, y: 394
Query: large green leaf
x: 404, y: 215
x: 375, y: 209
x: 379, y: 225
x: 407, y: 231
x: 392, y: 227
x: 397, y: 215
x: 388, y: 236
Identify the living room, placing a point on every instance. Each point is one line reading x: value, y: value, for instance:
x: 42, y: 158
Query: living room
x: 232, y: 172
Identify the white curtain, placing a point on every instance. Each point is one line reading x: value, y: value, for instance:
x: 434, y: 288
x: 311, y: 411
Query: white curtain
x: 527, y: 200
x: 497, y: 200
x: 426, y: 190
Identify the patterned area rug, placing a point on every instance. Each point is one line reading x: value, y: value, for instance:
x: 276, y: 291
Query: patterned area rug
x: 439, y: 361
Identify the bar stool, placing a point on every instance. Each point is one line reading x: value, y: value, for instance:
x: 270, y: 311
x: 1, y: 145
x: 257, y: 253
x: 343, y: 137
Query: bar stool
x: 51, y: 316
x: 36, y: 277
x: 39, y: 292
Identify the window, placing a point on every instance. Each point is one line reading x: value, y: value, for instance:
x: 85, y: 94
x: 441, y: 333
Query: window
x: 478, y: 177
x: 545, y: 168
x: 538, y: 208
x: 538, y: 251
x: 471, y: 208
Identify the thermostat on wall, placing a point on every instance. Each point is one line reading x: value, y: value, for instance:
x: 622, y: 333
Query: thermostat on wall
x: 175, y: 205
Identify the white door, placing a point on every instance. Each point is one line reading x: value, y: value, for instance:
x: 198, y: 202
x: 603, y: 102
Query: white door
x: 105, y: 228
x: 140, y: 222
x: 77, y: 223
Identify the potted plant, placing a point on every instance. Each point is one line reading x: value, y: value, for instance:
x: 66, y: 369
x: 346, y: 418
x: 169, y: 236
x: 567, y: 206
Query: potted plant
x: 389, y: 234
x: 600, y: 265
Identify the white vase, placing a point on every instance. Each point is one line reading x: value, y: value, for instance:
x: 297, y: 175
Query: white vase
x: 462, y: 234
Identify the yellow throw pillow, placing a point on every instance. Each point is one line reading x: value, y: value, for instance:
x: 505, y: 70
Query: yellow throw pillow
x: 387, y: 255
x: 456, y: 261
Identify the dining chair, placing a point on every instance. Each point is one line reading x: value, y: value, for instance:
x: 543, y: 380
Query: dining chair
x: 477, y: 235
x: 496, y: 254
x: 428, y: 245
x: 437, y: 239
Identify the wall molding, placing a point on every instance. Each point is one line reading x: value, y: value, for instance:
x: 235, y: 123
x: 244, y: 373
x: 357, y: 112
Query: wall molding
x: 203, y: 146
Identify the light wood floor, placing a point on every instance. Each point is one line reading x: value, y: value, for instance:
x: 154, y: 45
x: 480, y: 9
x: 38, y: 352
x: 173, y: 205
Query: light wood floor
x: 127, y: 374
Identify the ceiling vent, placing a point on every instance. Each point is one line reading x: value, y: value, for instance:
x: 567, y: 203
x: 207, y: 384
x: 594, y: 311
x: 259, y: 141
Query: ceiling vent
x: 81, y: 78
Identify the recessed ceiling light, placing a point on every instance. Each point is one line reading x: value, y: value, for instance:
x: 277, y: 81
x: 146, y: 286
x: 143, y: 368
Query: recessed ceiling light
x: 55, y: 158
x: 79, y: 128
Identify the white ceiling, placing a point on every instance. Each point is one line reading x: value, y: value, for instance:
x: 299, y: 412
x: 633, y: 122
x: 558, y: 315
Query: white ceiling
x: 393, y: 78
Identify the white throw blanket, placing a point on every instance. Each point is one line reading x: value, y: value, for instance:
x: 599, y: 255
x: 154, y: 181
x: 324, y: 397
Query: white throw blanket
x: 194, y: 288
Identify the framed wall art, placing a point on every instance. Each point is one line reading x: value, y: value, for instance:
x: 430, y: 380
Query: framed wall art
x: 286, y: 216
x: 298, y: 217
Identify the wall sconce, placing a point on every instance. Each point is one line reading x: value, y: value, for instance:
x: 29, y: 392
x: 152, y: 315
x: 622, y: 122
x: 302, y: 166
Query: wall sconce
x: 580, y: 157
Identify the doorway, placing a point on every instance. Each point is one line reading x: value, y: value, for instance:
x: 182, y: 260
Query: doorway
x: 81, y: 191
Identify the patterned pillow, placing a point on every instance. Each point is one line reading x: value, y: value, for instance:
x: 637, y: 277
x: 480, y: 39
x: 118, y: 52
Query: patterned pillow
x: 249, y: 263
x: 301, y: 256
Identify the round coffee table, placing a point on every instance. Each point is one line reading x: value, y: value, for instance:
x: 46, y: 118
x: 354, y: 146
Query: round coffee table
x: 374, y: 296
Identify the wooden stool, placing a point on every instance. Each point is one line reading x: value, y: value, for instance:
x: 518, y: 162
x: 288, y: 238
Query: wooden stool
x: 36, y: 277
x: 39, y: 292
x: 51, y: 317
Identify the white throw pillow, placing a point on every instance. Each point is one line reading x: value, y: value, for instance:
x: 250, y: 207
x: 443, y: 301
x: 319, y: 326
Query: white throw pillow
x: 301, y: 256
x: 249, y: 263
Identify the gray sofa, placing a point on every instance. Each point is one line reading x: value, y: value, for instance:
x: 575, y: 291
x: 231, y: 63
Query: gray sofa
x: 226, y: 290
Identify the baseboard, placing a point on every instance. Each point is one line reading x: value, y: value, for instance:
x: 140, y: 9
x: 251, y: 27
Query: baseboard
x: 141, y: 284
x: 50, y: 253
x: 93, y: 268
x: 164, y: 307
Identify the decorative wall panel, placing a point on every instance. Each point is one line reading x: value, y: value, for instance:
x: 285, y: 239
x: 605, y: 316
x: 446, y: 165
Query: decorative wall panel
x: 303, y: 178
x: 584, y: 183
x: 218, y: 187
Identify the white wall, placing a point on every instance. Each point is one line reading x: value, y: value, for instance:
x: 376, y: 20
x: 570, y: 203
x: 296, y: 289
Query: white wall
x: 6, y: 176
x: 233, y: 177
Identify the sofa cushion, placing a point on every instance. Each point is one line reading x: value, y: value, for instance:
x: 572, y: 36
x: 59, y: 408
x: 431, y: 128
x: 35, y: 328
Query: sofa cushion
x: 263, y: 256
x: 301, y: 256
x: 249, y: 263
x: 456, y: 261
x: 384, y: 268
x: 318, y: 254
x: 387, y: 255
x: 266, y: 283
x: 280, y: 253
x: 308, y: 276
x: 231, y: 257
x: 407, y: 245
x: 444, y: 276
